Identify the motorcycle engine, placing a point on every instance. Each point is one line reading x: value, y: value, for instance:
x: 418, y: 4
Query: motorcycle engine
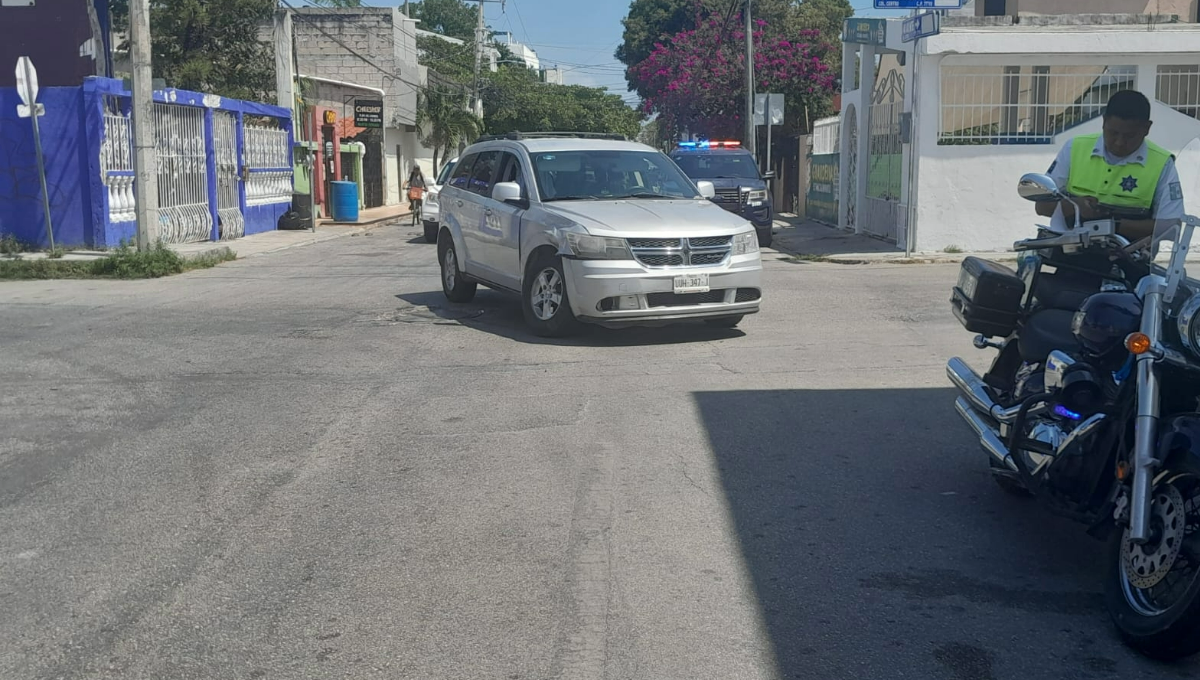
x: 1050, y: 434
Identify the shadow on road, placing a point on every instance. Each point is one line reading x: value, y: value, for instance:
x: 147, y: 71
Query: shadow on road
x: 500, y: 314
x: 876, y: 541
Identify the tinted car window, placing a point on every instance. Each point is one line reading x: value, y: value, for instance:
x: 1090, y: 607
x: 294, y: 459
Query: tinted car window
x: 511, y: 171
x: 483, y: 172
x: 717, y: 166
x: 462, y: 172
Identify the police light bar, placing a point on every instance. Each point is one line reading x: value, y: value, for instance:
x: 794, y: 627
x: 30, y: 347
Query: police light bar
x: 707, y: 144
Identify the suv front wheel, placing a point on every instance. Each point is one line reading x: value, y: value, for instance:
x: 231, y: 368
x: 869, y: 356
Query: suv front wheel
x: 544, y: 297
x: 456, y: 286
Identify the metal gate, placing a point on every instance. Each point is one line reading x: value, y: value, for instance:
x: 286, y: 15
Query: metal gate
x: 373, y: 171
x: 821, y: 202
x: 183, y: 213
x: 851, y: 155
x: 885, y: 174
x: 230, y: 221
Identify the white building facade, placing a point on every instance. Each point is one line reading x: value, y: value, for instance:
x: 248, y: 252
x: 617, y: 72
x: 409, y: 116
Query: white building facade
x: 995, y: 99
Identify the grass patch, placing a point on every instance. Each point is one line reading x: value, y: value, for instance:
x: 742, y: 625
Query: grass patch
x: 952, y: 250
x: 124, y: 263
x: 10, y: 246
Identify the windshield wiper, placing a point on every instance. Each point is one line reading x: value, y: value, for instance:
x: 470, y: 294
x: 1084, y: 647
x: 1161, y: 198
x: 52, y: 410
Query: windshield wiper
x: 572, y: 198
x: 648, y: 194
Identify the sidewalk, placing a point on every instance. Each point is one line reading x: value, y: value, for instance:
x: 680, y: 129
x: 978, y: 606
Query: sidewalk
x: 371, y: 216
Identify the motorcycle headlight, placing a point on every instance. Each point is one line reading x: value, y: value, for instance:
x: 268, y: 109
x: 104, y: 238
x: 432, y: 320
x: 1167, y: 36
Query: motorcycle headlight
x: 746, y: 243
x: 1189, y: 324
x: 756, y: 196
x: 587, y: 247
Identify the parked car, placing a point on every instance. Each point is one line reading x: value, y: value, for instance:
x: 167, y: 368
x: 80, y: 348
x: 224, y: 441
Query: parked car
x: 740, y: 187
x: 430, y: 210
x: 595, y: 229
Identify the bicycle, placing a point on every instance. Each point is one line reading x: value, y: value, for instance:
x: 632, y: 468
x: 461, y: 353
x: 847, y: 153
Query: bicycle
x: 415, y: 198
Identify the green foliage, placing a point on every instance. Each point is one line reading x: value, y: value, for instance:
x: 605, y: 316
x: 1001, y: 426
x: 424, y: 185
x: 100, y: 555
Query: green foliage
x: 11, y: 245
x: 209, y: 45
x: 448, y: 17
x: 444, y: 121
x: 515, y: 99
x: 124, y: 263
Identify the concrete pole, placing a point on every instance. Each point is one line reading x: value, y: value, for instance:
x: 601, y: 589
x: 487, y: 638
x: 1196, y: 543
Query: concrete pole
x: 866, y: 92
x: 285, y: 76
x: 477, y: 105
x: 751, y: 136
x: 145, y: 186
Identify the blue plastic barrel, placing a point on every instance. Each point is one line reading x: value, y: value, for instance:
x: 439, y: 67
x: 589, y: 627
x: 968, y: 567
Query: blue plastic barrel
x: 345, y: 201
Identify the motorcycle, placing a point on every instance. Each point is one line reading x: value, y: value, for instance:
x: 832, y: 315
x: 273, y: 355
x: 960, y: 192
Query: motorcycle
x: 1092, y: 404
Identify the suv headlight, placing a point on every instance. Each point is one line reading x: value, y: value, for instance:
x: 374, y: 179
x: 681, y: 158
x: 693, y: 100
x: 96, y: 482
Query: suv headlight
x: 746, y: 243
x: 431, y: 197
x: 587, y: 247
x: 756, y: 196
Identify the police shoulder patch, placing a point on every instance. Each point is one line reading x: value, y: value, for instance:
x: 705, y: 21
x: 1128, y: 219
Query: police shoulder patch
x: 1176, y: 191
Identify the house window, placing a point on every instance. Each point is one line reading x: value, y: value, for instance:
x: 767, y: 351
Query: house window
x: 994, y: 8
x: 1024, y: 104
x: 1179, y: 87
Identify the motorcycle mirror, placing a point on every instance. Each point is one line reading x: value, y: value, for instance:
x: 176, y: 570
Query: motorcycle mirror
x: 1036, y: 187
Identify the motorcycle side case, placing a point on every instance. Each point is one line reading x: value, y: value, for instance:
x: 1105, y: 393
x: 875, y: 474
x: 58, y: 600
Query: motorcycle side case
x: 988, y: 297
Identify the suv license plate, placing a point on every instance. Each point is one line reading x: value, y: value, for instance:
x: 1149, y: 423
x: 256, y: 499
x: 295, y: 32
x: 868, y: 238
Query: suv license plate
x: 691, y: 283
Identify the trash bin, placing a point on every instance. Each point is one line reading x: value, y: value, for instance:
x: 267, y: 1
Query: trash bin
x: 345, y: 201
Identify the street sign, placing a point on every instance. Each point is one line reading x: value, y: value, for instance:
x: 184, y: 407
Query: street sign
x: 919, y: 4
x: 27, y: 85
x: 368, y: 113
x: 921, y: 26
x: 865, y: 31
x: 776, y: 105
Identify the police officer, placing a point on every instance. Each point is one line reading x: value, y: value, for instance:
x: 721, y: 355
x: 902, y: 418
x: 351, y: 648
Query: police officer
x: 1118, y: 173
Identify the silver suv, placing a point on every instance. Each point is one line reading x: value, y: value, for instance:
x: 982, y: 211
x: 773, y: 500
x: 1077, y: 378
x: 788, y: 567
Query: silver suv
x: 592, y: 228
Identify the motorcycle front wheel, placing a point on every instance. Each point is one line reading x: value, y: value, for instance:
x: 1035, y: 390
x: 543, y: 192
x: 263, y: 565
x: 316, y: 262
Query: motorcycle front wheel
x: 1152, y: 591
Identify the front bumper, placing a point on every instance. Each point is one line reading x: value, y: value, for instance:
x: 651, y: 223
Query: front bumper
x: 758, y: 215
x: 594, y: 286
x: 430, y: 213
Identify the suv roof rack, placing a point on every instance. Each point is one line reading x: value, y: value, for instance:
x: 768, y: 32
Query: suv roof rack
x: 517, y: 136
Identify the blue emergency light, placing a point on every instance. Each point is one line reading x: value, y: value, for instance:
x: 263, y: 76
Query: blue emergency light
x: 708, y: 144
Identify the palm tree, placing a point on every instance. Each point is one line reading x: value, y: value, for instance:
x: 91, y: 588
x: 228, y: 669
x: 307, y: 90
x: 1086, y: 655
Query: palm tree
x: 444, y: 122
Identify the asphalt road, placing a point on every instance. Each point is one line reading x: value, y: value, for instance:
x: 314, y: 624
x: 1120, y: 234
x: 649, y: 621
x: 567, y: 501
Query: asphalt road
x: 307, y: 465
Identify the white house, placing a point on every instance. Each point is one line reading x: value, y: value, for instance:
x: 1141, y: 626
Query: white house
x: 997, y: 98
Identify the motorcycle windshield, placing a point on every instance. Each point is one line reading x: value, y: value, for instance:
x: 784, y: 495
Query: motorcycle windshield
x: 1171, y: 239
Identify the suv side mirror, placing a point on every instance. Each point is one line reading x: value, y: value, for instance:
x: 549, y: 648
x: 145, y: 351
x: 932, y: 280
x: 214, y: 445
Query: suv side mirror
x: 707, y: 190
x: 510, y: 193
x: 769, y: 175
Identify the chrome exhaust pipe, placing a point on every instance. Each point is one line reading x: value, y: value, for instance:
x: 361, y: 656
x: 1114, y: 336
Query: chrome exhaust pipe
x: 976, y: 392
x: 987, y: 436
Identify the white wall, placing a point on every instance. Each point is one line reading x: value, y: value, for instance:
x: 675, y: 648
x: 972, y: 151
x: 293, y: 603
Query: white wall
x: 967, y: 195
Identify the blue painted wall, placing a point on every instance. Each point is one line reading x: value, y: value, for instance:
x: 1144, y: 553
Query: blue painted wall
x: 65, y: 146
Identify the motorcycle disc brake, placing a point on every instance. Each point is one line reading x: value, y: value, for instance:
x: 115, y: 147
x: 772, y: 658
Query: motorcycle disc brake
x: 1147, y: 565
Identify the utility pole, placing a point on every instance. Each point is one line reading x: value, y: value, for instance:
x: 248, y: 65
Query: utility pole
x: 476, y: 102
x: 145, y: 185
x: 751, y: 137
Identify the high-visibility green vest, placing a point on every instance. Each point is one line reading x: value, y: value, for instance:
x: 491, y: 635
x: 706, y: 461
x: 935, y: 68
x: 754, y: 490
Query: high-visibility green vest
x: 1124, y: 186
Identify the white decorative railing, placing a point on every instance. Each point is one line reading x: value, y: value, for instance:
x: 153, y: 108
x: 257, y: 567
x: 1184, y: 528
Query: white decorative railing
x: 116, y: 164
x: 267, y: 154
x: 230, y: 221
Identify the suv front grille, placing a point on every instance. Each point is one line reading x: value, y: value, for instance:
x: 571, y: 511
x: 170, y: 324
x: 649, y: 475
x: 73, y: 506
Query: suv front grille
x: 728, y: 195
x: 701, y: 251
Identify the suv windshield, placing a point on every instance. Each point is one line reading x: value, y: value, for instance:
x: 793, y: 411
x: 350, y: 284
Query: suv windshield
x: 608, y: 176
x: 718, y: 166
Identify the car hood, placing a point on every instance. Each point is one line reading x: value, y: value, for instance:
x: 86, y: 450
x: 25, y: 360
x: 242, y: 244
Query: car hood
x: 640, y: 217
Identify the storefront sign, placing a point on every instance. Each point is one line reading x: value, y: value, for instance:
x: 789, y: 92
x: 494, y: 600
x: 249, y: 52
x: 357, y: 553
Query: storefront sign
x: 368, y: 113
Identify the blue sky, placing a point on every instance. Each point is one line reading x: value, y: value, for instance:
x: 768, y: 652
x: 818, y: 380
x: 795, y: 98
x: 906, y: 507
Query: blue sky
x: 578, y: 35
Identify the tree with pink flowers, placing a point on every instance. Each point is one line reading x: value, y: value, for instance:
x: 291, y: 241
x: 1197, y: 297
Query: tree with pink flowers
x: 695, y: 81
